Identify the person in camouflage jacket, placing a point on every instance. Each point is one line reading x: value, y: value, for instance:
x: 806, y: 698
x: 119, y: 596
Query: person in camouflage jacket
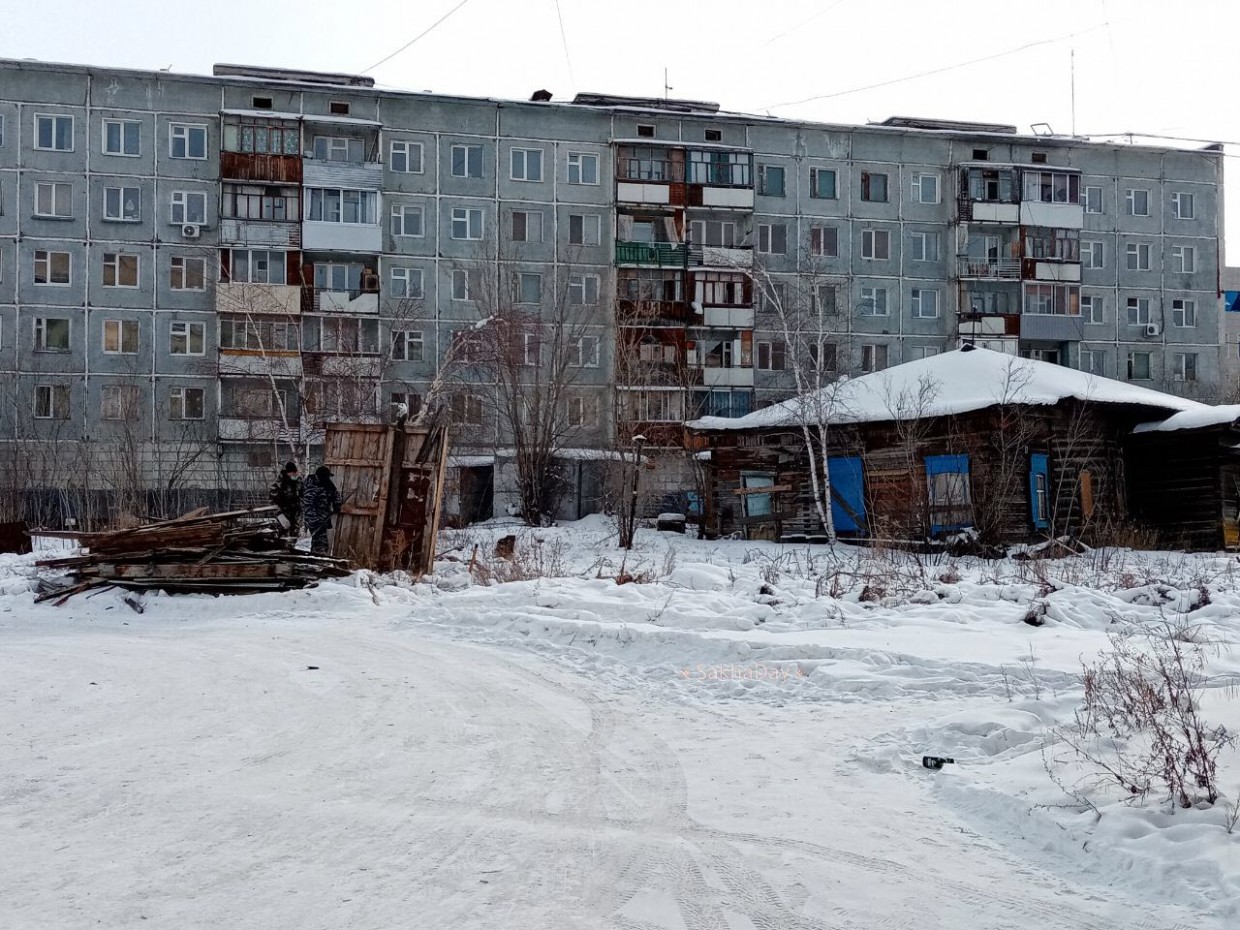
x: 319, y: 501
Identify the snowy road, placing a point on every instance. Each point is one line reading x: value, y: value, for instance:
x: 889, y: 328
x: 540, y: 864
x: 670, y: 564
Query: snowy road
x: 157, y: 772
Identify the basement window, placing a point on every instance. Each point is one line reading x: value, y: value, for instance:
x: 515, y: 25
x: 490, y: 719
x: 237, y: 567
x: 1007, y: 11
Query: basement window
x: 261, y: 103
x: 646, y: 132
x: 338, y: 108
x: 1038, y: 158
x: 981, y: 155
x: 713, y: 135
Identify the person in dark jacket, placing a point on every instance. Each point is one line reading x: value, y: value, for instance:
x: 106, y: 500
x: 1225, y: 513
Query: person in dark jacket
x: 319, y: 501
x: 286, y: 494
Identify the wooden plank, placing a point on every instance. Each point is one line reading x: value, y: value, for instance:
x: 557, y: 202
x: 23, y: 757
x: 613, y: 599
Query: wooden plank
x: 769, y: 489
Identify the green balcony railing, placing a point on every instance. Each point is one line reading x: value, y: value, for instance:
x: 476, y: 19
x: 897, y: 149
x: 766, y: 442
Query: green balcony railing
x: 665, y: 254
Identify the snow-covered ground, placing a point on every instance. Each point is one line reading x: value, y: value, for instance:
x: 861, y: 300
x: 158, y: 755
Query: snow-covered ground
x: 733, y: 740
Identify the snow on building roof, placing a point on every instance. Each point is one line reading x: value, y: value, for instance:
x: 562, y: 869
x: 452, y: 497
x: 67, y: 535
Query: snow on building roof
x: 961, y: 381
x: 1193, y: 419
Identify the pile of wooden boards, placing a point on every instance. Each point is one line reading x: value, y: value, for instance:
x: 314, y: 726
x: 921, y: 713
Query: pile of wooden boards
x: 240, y: 552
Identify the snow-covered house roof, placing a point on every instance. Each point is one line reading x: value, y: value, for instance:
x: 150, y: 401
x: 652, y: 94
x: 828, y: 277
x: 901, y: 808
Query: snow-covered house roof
x: 955, y: 382
x: 1196, y: 418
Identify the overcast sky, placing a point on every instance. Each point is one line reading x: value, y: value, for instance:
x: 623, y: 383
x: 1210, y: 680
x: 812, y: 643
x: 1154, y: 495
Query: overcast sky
x: 1153, y: 66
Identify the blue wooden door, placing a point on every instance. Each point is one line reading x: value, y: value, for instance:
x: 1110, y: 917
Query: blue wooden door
x: 1039, y: 485
x: 847, y: 493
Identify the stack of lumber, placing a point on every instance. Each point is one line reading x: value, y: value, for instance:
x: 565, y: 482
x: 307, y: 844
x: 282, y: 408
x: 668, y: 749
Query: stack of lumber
x: 240, y: 552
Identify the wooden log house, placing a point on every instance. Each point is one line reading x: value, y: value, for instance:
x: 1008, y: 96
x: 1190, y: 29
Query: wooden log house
x: 1009, y: 449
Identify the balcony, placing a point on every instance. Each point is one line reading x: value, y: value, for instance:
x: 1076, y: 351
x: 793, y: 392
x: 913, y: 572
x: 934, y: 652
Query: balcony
x: 251, y: 363
x: 1052, y: 327
x: 981, y: 211
x: 1068, y: 272
x: 255, y: 166
x: 725, y: 377
x: 660, y: 254
x: 1061, y: 215
x: 260, y: 429
x: 356, y: 238
x: 714, y: 256
x: 988, y: 268
x: 275, y: 299
x: 645, y: 192
x: 728, y: 317
x: 262, y: 234
x: 365, y: 176
x: 734, y: 198
x: 327, y: 300
x: 654, y: 313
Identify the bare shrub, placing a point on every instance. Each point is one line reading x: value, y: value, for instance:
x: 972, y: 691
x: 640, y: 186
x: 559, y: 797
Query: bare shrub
x: 1140, y: 724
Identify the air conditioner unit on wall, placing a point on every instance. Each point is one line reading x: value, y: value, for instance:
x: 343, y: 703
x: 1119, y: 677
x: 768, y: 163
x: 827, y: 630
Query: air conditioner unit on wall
x: 1152, y: 329
x: 191, y: 231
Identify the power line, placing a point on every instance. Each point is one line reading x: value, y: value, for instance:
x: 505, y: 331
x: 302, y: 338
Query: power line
x: 382, y: 61
x: 564, y: 40
x: 922, y: 74
x: 800, y: 25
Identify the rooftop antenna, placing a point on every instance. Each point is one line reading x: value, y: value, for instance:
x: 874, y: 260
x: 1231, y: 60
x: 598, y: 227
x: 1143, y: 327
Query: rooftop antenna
x: 1072, y: 69
x: 667, y: 88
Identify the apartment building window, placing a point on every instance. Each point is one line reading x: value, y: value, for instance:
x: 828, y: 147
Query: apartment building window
x: 120, y: 269
x: 771, y: 356
x: 1184, y: 366
x: 1053, y: 299
x: 925, y: 188
x: 186, y: 403
x: 339, y: 148
x: 52, y: 268
x: 925, y: 303
x: 1138, y: 366
x: 53, y: 133
x: 337, y: 205
x: 822, y: 356
x: 260, y: 202
x: 1092, y: 255
x: 916, y: 352
x: 1184, y: 259
x: 581, y: 411
x: 460, y: 284
x: 873, y: 301
x: 120, y: 337
x: 826, y: 299
x: 257, y: 266
x: 1092, y: 309
x: 583, y: 288
x: 526, y: 287
x: 771, y: 296
x: 874, y: 186
x: 1, y: 131
x: 822, y: 184
x: 405, y: 156
x: 527, y: 226
x: 187, y: 140
x: 1093, y: 199
x: 876, y: 244
x: 51, y: 402
x: 262, y: 137
x: 771, y: 181
x: 119, y: 401
x: 466, y: 161
x: 187, y: 338
x: 824, y: 241
x: 582, y: 168
x: 188, y: 207
x: 1183, y: 313
x: 1092, y: 361
x: 1052, y: 187
x: 467, y: 409
x: 408, y: 345
x: 586, y: 352
x: 406, y: 283
x: 122, y: 204
x: 406, y: 220
x: 526, y: 165
x: 873, y: 357
x: 1137, y: 202
x: 51, y: 334
x: 187, y: 274
x: 584, y: 229
x: 466, y: 223
x: 53, y: 199
x: 923, y: 247
x: 714, y: 233
x: 1183, y: 206
x: 1138, y: 311
x: 411, y: 400
x: 122, y: 137
x: 531, y: 356
x: 1138, y: 256
x: 773, y: 238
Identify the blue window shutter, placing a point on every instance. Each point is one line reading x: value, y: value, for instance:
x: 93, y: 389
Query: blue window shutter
x: 954, y: 514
